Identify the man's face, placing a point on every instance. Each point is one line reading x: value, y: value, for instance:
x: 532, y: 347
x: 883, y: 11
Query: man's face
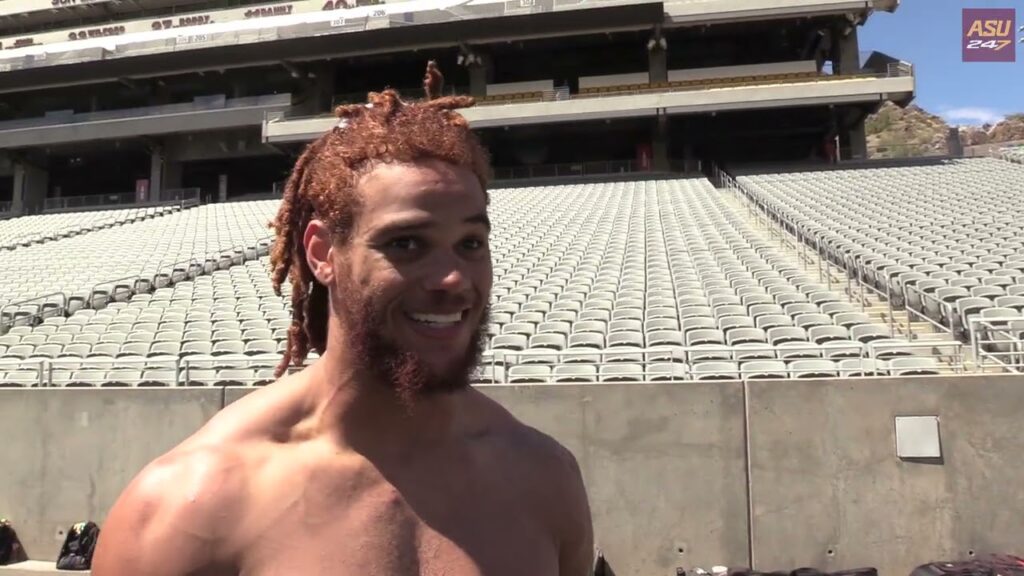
x: 413, y: 283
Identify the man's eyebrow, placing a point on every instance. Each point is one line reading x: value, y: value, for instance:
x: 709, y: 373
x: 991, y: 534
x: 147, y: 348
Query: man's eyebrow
x: 480, y: 219
x: 420, y: 224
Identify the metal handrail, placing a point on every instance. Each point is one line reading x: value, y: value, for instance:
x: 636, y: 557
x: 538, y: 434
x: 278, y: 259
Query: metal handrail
x: 45, y: 300
x: 216, y: 254
x: 876, y: 354
x: 182, y: 197
x: 112, y: 283
x: 116, y: 199
x: 1003, y: 333
x: 188, y: 275
x: 853, y: 270
x: 567, y: 169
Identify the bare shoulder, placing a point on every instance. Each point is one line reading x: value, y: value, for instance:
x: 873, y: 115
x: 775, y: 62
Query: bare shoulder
x: 176, y: 516
x: 529, y: 446
x: 552, y: 477
x: 180, y: 513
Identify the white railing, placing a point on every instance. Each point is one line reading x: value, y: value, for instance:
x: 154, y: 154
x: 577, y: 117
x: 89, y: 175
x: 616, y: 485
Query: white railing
x: 998, y: 342
x: 659, y: 363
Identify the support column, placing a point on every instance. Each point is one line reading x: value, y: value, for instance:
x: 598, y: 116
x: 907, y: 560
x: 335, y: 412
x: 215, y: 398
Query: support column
x: 659, y: 152
x: 480, y: 68
x: 237, y: 88
x: 315, y: 92
x: 657, y: 57
x: 323, y: 87
x: 156, y: 172
x: 954, y: 146
x: 172, y: 174
x: 478, y: 81
x: 690, y: 164
x: 853, y: 142
x: 30, y: 185
x: 164, y: 172
x: 858, y: 139
x: 845, y: 52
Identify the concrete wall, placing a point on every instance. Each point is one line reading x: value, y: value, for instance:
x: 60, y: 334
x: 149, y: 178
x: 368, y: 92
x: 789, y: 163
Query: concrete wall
x: 665, y: 465
x: 825, y: 475
x: 67, y: 454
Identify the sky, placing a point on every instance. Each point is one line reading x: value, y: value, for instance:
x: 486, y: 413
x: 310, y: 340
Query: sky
x: 927, y: 33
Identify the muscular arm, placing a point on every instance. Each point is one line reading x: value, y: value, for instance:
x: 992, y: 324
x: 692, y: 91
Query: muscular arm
x: 576, y: 553
x: 172, y: 520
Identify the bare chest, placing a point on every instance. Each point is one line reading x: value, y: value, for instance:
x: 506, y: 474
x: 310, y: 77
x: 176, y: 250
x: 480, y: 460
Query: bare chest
x: 384, y: 529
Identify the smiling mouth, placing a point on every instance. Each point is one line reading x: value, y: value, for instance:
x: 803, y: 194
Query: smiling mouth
x: 437, y: 320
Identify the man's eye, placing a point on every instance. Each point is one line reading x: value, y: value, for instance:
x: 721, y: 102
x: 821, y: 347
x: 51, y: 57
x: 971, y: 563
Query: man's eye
x: 405, y: 244
x: 473, y: 243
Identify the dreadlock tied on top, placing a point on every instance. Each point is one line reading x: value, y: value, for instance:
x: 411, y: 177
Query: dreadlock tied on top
x: 322, y: 185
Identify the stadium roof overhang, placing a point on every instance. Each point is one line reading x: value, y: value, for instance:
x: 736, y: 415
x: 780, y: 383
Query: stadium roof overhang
x: 688, y: 12
x: 93, y: 127
x: 834, y: 92
x: 634, y: 15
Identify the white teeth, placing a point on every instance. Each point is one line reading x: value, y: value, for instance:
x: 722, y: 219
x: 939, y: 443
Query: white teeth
x: 437, y: 318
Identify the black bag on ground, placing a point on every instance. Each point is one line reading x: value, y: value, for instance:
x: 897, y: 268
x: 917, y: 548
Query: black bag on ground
x: 991, y: 565
x: 968, y: 568
x: 80, y: 543
x: 10, y: 547
x: 867, y: 571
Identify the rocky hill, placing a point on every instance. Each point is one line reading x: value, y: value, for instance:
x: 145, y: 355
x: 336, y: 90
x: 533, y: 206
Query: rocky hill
x: 896, y: 132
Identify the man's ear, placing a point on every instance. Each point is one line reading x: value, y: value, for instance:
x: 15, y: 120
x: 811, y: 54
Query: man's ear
x: 319, y: 249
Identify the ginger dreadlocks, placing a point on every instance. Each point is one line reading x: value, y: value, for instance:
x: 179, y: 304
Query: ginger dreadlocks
x: 323, y: 183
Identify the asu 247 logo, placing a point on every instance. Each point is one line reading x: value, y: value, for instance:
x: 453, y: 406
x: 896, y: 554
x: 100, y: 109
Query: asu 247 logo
x: 988, y: 35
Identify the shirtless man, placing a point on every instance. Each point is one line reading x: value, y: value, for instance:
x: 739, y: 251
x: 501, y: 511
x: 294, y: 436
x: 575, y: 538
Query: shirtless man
x: 378, y: 459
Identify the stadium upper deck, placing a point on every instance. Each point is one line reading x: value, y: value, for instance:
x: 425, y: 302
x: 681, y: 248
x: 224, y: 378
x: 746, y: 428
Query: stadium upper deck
x: 220, y: 96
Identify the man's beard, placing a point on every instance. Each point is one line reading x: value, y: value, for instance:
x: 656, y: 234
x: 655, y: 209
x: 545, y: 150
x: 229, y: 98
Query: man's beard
x: 404, y: 371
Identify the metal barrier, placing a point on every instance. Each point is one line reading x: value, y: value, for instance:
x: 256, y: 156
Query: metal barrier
x: 181, y: 197
x: 997, y: 341
x: 90, y: 201
x: 40, y: 301
x: 571, y: 169
x: 767, y: 80
x: 113, y: 293
x: 184, y: 197
x: 659, y: 363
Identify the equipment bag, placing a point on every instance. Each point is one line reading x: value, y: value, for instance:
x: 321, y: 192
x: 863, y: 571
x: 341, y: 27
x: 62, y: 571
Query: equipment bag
x: 10, y: 547
x: 991, y: 565
x: 76, y: 553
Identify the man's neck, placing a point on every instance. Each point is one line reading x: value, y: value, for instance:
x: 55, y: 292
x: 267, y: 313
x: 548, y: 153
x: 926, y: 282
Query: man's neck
x: 367, y: 416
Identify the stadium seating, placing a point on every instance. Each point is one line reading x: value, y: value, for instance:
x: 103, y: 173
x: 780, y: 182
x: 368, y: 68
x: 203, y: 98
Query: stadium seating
x: 624, y: 281
x: 1013, y: 154
x: 28, y: 230
x: 949, y: 242
x: 115, y: 262
x: 588, y: 270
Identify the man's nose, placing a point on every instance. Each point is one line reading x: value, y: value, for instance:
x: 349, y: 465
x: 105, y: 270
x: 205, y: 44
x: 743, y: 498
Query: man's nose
x: 448, y: 273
